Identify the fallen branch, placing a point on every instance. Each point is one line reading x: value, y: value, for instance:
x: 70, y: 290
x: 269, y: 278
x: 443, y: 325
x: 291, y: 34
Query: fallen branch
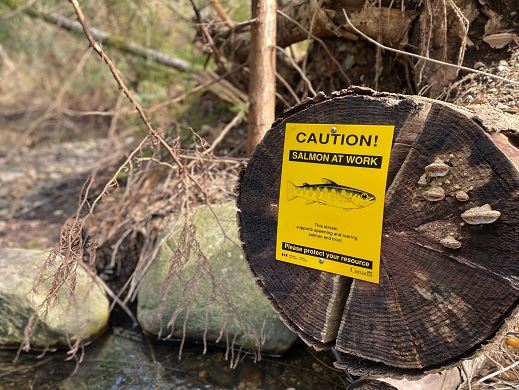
x: 105, y: 38
x: 220, y: 87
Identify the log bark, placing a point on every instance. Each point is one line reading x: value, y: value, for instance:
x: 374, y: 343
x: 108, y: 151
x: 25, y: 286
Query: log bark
x: 433, y: 305
x: 262, y: 64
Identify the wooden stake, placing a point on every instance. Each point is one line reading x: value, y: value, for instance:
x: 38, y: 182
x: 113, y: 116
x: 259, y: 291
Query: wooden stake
x: 262, y: 63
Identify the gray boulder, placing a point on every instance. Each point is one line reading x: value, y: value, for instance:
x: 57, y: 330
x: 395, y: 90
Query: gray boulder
x: 85, y: 314
x: 210, y: 294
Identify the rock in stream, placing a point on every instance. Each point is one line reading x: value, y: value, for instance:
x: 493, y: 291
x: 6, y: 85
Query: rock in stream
x: 84, y: 315
x: 211, y: 293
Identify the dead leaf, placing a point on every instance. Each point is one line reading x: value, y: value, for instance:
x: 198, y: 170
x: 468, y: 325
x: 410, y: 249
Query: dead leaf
x: 512, y: 342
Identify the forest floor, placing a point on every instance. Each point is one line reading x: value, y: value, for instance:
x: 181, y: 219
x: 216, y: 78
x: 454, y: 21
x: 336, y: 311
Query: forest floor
x: 478, y: 89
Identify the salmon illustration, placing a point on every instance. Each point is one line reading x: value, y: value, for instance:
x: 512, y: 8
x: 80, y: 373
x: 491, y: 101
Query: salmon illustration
x: 330, y: 193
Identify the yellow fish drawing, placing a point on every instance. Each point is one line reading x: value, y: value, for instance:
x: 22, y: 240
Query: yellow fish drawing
x: 329, y: 193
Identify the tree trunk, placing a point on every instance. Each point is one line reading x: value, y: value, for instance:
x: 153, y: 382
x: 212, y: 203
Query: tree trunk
x: 433, y: 305
x: 262, y: 63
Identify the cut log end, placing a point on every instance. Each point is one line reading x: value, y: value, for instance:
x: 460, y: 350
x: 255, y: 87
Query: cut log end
x: 434, y: 304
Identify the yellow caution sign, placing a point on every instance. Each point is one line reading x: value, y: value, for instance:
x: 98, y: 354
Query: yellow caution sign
x: 331, y: 201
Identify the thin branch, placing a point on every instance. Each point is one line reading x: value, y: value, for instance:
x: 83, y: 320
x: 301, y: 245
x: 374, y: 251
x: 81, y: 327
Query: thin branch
x: 495, y: 373
x: 222, y: 13
x: 235, y: 121
x: 208, y: 39
x: 465, y: 68
x: 289, y: 89
x: 110, y: 293
x: 320, y: 41
x: 299, y: 70
x: 122, y: 85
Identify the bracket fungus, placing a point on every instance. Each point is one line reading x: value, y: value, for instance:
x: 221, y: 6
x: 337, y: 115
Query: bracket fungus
x: 437, y: 169
x: 450, y: 242
x: 434, y: 194
x: 422, y: 181
x: 462, y: 196
x: 480, y: 215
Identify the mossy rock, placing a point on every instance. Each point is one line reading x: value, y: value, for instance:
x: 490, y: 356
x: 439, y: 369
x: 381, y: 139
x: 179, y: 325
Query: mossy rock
x: 211, y: 293
x: 84, y: 314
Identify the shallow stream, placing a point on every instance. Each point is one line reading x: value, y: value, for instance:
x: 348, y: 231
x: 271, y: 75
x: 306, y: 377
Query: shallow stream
x: 124, y: 359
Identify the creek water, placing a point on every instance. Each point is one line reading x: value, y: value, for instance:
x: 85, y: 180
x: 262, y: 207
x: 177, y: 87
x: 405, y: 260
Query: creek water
x: 125, y: 359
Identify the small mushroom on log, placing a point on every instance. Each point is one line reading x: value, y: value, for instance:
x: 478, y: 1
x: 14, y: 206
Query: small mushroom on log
x: 480, y: 215
x: 434, y: 194
x: 422, y: 181
x: 450, y: 242
x: 462, y: 196
x: 432, y: 306
x: 437, y: 169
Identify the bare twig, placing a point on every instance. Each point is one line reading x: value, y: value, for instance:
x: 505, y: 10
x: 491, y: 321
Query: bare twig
x: 320, y: 41
x: 289, y: 89
x: 222, y: 13
x: 299, y: 70
x: 110, y: 293
x: 122, y: 85
x: 235, y: 121
x: 310, y: 32
x: 498, y: 372
x: 465, y: 68
x: 208, y: 39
